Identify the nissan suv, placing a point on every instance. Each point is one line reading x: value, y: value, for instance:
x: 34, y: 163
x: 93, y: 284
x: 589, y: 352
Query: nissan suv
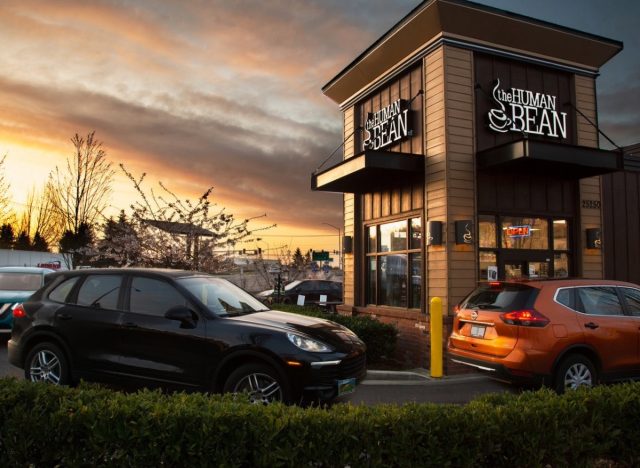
x: 561, y: 333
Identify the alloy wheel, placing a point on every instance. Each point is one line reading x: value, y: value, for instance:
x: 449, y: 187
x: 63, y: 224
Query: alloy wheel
x: 578, y: 375
x: 261, y: 388
x: 45, y: 367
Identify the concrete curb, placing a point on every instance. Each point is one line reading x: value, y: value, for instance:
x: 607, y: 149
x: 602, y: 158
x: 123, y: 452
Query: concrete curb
x: 415, y: 377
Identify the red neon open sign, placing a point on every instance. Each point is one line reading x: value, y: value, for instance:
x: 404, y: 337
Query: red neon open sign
x: 519, y: 231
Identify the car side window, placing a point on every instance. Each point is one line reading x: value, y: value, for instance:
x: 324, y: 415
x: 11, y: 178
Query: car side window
x: 599, y: 300
x: 100, y: 291
x: 632, y: 298
x: 151, y: 296
x: 61, y: 292
x: 565, y: 297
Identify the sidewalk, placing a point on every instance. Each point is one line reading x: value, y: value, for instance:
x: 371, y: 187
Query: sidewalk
x: 415, y: 377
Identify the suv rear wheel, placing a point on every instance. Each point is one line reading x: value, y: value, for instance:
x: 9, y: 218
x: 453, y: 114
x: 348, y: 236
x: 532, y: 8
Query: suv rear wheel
x: 47, y: 363
x: 573, y: 372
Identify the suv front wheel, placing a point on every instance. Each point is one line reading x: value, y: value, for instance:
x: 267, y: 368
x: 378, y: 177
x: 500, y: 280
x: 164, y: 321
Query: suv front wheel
x: 573, y: 372
x: 260, y: 382
x: 46, y: 362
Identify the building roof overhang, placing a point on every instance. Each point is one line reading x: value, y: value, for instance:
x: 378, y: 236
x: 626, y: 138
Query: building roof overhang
x: 367, y: 171
x: 466, y: 24
x: 542, y: 157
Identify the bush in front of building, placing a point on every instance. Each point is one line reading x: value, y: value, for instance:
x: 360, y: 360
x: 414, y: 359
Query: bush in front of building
x: 43, y: 425
x: 380, y: 338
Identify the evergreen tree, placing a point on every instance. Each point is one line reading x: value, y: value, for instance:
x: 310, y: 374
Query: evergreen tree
x: 40, y: 244
x: 23, y: 242
x: 79, y: 245
x: 7, y: 236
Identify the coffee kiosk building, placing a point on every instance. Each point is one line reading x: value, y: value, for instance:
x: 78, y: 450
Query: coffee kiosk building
x: 471, y: 153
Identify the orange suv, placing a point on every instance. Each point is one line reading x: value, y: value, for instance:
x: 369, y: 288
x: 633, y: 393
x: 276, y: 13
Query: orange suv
x: 560, y: 333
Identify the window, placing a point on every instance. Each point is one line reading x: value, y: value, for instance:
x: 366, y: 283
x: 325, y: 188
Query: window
x: 100, y: 291
x: 60, y: 293
x: 632, y: 298
x: 565, y: 297
x: 394, y: 264
x: 20, y: 281
x: 525, y: 233
x: 599, y: 300
x: 151, y: 296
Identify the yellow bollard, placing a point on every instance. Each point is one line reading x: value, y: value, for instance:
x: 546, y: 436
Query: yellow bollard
x: 435, y: 324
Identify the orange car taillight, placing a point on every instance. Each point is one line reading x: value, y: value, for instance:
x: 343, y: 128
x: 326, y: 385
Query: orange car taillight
x: 18, y: 311
x: 525, y: 318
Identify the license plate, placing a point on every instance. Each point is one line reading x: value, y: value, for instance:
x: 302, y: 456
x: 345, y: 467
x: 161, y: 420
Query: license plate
x: 346, y: 386
x: 477, y: 331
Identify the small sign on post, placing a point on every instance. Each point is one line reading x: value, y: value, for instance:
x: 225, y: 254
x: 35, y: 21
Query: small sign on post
x: 300, y: 300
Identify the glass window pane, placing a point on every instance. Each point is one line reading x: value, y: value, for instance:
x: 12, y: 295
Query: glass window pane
x: 560, y: 234
x: 599, y: 300
x: 392, y: 288
x: 372, y: 239
x: 416, y: 280
x: 632, y: 297
x: 525, y: 233
x: 487, y: 231
x: 60, y: 293
x: 565, y: 297
x: 488, y: 266
x: 416, y: 233
x: 561, y: 266
x: 100, y: 291
x: 371, y: 283
x: 154, y: 297
x: 393, y: 236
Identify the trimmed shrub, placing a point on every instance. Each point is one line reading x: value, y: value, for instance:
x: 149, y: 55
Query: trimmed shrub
x: 42, y: 425
x: 379, y: 337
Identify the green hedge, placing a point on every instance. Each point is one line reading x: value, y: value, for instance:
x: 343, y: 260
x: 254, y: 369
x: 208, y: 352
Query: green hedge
x: 379, y: 337
x: 42, y: 425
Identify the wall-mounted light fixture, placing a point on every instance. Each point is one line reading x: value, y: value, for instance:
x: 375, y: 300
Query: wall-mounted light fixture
x: 434, y: 232
x: 464, y: 231
x: 347, y: 244
x: 594, y: 239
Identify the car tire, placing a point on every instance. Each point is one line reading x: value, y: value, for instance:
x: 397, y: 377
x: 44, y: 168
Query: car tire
x: 260, y: 382
x: 573, y: 372
x: 46, y: 362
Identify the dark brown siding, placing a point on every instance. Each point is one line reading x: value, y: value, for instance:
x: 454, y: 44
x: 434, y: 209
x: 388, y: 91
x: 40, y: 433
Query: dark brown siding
x: 621, y: 244
x: 526, y: 194
x: 405, y: 87
x: 524, y: 76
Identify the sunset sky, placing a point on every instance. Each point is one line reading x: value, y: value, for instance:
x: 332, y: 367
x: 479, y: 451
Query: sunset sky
x: 224, y: 93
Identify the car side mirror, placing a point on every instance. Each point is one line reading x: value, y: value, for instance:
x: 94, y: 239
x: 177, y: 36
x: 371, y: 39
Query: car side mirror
x: 182, y: 314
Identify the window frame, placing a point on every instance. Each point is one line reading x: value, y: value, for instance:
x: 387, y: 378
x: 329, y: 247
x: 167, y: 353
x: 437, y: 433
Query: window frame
x: 409, y: 252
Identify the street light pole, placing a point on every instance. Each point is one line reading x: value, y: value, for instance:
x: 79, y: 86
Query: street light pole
x: 339, y: 245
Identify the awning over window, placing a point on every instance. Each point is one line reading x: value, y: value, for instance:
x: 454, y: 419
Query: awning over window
x: 367, y: 171
x: 541, y: 157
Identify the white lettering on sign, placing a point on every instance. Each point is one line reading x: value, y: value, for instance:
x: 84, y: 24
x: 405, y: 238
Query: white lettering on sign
x: 524, y: 111
x: 387, y: 126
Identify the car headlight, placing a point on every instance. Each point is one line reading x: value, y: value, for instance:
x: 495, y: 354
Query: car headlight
x: 307, y: 344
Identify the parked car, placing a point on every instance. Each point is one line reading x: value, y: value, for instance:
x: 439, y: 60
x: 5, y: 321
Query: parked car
x: 16, y: 285
x: 562, y: 333
x: 311, y: 289
x: 179, y: 329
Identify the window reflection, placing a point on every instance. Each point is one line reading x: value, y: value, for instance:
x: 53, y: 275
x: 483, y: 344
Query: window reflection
x: 525, y: 233
x: 393, y: 236
x: 393, y: 280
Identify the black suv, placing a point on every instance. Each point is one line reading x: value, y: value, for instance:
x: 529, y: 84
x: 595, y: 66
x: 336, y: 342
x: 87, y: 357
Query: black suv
x: 180, y: 329
x: 311, y: 289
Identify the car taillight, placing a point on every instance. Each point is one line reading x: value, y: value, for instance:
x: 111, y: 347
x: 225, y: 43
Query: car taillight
x: 525, y: 318
x: 18, y: 311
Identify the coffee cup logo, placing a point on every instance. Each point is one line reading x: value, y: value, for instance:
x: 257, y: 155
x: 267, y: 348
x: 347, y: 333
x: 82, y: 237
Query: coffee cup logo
x: 498, y: 120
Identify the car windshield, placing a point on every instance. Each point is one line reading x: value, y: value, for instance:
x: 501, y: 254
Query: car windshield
x: 220, y: 296
x: 20, y: 281
x: 292, y: 285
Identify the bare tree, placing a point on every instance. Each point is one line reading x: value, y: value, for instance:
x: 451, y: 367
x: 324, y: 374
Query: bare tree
x: 80, y: 192
x: 6, y: 213
x: 178, y: 233
x: 39, y: 216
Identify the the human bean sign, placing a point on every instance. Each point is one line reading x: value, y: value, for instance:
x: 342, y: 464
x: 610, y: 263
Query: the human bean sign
x: 523, y: 111
x: 387, y: 126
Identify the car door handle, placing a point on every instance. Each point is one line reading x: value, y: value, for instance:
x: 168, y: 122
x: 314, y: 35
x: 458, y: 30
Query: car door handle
x: 591, y: 325
x: 130, y: 325
x: 64, y: 317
